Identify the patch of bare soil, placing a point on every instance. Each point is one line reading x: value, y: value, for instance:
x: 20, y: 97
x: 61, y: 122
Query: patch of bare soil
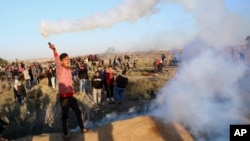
x: 143, y: 128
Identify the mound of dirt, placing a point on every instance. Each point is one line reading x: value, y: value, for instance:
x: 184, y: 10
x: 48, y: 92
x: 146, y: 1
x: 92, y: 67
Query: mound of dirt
x: 143, y: 128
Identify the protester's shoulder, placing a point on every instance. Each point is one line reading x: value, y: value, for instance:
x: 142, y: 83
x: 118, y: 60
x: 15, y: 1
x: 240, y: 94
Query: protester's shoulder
x: 125, y: 78
x: 119, y: 76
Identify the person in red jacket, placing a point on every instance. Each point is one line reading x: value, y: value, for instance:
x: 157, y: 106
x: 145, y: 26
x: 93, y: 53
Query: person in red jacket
x: 109, y: 79
x: 66, y: 91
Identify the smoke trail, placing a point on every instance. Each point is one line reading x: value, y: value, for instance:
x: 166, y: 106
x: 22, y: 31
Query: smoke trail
x: 129, y: 10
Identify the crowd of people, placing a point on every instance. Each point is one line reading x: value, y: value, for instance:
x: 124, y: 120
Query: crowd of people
x: 72, y: 76
x: 69, y: 76
x: 30, y: 73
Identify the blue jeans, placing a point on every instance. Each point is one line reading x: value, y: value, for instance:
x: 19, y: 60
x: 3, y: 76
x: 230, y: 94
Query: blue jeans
x: 119, y: 93
x: 28, y: 85
x: 20, y: 99
x: 83, y: 85
x: 35, y: 81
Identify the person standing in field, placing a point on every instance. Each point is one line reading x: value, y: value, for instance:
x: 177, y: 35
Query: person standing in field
x: 27, y: 77
x: 66, y: 91
x: 102, y: 74
x: 19, y: 92
x: 83, y: 77
x: 109, y: 78
x: 97, y: 85
x: 49, y: 76
x: 121, y: 83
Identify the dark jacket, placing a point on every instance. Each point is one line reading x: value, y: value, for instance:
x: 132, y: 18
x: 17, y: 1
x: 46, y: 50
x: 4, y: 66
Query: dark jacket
x: 97, y: 82
x: 121, y: 81
x: 20, y: 91
x: 83, y: 74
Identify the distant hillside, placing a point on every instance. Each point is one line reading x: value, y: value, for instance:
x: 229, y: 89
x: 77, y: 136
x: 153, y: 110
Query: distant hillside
x: 3, y: 61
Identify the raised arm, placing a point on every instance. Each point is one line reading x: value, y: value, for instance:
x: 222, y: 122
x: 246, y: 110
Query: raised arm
x: 56, y: 56
x: 53, y: 48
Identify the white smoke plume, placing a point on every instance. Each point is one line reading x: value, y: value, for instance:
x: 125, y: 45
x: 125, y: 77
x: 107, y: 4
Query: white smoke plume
x: 129, y: 10
x: 204, y: 96
x: 206, y: 93
x: 213, y: 20
x: 216, y: 25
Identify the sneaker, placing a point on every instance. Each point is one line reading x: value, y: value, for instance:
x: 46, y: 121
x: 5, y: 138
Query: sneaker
x: 112, y: 99
x: 119, y: 102
x: 108, y: 99
x: 2, y: 138
x: 66, y: 137
x: 84, y: 130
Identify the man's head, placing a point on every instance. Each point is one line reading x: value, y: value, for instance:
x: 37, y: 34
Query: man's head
x: 99, y: 68
x: 64, y: 58
x: 124, y: 72
x: 81, y: 66
x: 97, y: 73
x: 109, y: 69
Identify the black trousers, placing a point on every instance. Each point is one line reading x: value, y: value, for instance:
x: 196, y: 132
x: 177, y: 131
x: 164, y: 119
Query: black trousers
x: 110, y: 90
x: 66, y: 103
x: 1, y: 129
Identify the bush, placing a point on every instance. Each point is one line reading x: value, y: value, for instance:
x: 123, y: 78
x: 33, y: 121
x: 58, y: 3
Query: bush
x: 144, y: 88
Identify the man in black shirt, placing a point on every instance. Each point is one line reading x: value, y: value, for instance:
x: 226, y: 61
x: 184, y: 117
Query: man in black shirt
x: 121, y: 83
x: 97, y: 85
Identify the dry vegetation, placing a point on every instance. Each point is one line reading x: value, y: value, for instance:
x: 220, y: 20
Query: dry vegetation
x: 41, y: 112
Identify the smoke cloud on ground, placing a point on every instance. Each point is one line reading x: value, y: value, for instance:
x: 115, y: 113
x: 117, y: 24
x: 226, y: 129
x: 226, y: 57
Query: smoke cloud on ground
x: 206, y: 94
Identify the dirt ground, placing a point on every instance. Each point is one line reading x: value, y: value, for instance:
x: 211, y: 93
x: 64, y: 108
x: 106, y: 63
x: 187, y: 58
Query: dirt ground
x: 144, y: 128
